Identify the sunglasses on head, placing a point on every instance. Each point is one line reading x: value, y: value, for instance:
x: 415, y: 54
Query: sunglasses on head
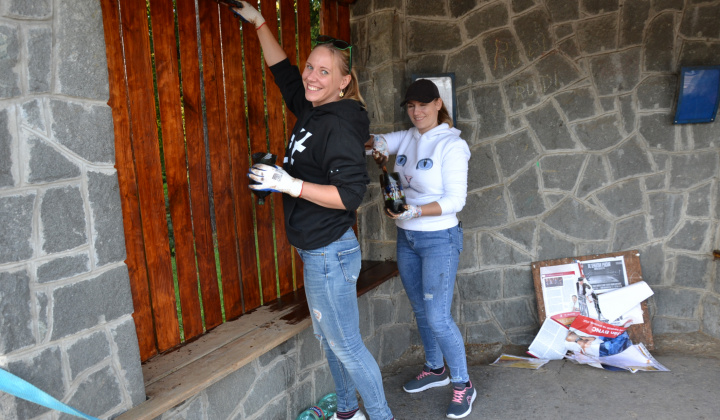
x: 337, y: 43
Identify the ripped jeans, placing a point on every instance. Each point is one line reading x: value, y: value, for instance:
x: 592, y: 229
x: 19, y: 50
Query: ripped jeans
x: 428, y: 263
x: 331, y: 274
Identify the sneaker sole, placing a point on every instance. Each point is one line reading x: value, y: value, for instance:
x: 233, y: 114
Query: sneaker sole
x: 465, y: 414
x: 428, y: 386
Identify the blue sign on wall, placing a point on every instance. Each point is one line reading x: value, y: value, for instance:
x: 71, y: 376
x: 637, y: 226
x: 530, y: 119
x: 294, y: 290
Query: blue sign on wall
x: 699, y: 94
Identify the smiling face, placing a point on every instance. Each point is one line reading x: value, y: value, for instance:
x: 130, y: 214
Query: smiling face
x: 322, y: 77
x: 424, y: 116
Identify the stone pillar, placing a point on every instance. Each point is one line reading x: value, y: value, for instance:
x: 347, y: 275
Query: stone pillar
x: 65, y: 298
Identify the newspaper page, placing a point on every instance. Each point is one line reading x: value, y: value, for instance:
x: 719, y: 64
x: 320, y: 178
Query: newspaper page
x: 507, y: 360
x: 558, y: 288
x: 634, y: 358
x: 549, y: 343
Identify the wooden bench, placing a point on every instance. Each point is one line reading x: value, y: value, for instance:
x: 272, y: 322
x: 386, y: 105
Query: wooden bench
x: 177, y: 375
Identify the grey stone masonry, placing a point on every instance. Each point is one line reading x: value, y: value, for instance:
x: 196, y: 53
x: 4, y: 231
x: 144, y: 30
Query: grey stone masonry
x: 66, y: 321
x: 568, y: 108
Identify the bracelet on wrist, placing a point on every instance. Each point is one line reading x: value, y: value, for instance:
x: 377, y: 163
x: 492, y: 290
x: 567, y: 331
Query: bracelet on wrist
x: 258, y: 27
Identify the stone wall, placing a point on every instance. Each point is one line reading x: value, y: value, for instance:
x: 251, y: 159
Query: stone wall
x: 568, y: 109
x: 66, y: 323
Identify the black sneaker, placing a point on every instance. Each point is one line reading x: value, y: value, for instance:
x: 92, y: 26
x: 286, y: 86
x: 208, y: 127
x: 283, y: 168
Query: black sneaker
x: 426, y: 380
x: 461, y: 404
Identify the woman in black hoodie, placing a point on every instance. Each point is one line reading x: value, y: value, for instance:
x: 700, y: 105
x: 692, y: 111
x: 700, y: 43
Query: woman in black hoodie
x: 323, y: 180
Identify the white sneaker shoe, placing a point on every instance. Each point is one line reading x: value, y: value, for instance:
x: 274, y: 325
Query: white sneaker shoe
x: 358, y: 416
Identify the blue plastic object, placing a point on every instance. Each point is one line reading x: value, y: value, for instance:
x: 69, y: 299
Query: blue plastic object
x: 699, y: 95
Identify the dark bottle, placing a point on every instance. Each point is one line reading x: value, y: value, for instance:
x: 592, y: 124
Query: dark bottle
x: 268, y: 159
x: 392, y: 191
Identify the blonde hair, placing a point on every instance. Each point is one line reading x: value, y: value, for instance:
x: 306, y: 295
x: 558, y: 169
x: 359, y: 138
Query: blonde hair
x: 352, y: 90
x: 444, y: 116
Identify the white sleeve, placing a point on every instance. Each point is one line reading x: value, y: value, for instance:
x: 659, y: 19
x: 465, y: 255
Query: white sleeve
x: 394, y: 140
x: 454, y: 175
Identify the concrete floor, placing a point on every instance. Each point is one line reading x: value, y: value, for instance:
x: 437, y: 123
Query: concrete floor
x: 563, y: 390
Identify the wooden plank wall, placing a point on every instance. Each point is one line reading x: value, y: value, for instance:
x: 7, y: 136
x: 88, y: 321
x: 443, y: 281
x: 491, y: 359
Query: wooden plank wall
x: 212, y: 116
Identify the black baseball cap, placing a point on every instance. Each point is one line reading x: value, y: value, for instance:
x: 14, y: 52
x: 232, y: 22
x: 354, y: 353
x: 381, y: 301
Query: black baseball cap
x: 421, y: 90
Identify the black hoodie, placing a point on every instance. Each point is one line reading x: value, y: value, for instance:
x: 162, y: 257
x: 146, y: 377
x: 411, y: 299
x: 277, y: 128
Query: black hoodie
x: 327, y: 147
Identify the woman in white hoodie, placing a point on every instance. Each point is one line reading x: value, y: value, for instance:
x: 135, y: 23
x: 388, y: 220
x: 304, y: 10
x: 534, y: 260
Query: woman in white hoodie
x: 432, y: 161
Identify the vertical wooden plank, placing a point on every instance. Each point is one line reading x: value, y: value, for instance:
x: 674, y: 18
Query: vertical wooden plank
x: 240, y: 156
x: 219, y: 157
x: 147, y: 161
x: 128, y: 182
x: 192, y: 104
x: 328, y: 18
x: 166, y: 66
x: 343, y: 22
x: 258, y: 143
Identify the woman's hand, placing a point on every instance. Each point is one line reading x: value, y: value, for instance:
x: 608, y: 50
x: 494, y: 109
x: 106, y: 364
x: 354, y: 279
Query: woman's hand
x: 250, y: 14
x: 411, y: 212
x: 275, y: 179
x: 380, y: 150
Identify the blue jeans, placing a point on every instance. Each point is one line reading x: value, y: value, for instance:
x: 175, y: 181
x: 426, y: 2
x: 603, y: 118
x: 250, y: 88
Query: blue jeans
x: 428, y: 263
x: 331, y: 274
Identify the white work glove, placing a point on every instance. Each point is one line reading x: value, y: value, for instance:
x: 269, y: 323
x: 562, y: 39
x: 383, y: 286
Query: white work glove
x: 380, y: 149
x: 275, y: 179
x: 249, y: 14
x: 411, y: 212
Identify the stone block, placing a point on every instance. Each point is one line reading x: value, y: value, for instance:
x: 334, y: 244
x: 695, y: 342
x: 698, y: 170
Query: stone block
x: 468, y: 131
x: 652, y: 263
x: 502, y: 53
x: 44, y: 370
x: 522, y: 233
x: 86, y: 130
x: 467, y: 66
x: 655, y: 182
x: 594, y: 247
x: 425, y: 8
x: 474, y: 312
x: 517, y: 282
x: 486, y: 208
x: 699, y: 202
x: 629, y: 233
x: 464, y: 104
x: 578, y: 220
x: 662, y: 325
x: 422, y: 36
x: 460, y: 7
x: 10, y: 61
x: 280, y: 376
x: 577, y: 104
x: 561, y: 172
x: 96, y: 301
x: 677, y: 302
x: 383, y: 312
x: 600, y: 133
x: 490, y: 111
x: 284, y: 350
x: 32, y: 9
x: 665, y: 212
x: 522, y: 91
x: 105, y: 206
x: 494, y: 251
x: 627, y: 112
x: 633, y: 18
x: 569, y: 47
x: 698, y: 53
x: 63, y: 221
x: 16, y: 227
x: 82, y: 71
x: 595, y: 7
x: 660, y: 37
x: 706, y: 135
x: 711, y: 314
x: 7, y: 130
x: 693, y: 169
x: 513, y: 313
x: 595, y: 176
x: 692, y: 236
x: 309, y: 349
x: 16, y: 326
x: 657, y: 92
x: 701, y: 21
x: 551, y: 246
x: 39, y: 46
x: 469, y: 256
x: 47, y: 164
x: 525, y: 194
x: 630, y: 159
x: 394, y: 343
x: 222, y: 396
x: 403, y: 311
x: 515, y: 153
x: 277, y: 409
x: 482, y: 171
x: 599, y: 34
x: 563, y: 30
x: 128, y: 358
x: 533, y: 30
x: 486, y: 333
x: 387, y: 84
x: 617, y: 72
x: 563, y: 10
x: 692, y: 272
x: 87, y: 352
x: 660, y: 5
x: 425, y: 64
x: 32, y: 115
x: 482, y: 20
x: 384, y: 38
x: 607, y: 103
x: 42, y: 310
x: 62, y: 268
x: 362, y: 7
x: 522, y: 338
x: 622, y: 198
x: 480, y: 286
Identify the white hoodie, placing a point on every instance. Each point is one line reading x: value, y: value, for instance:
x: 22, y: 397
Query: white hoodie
x: 432, y: 167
